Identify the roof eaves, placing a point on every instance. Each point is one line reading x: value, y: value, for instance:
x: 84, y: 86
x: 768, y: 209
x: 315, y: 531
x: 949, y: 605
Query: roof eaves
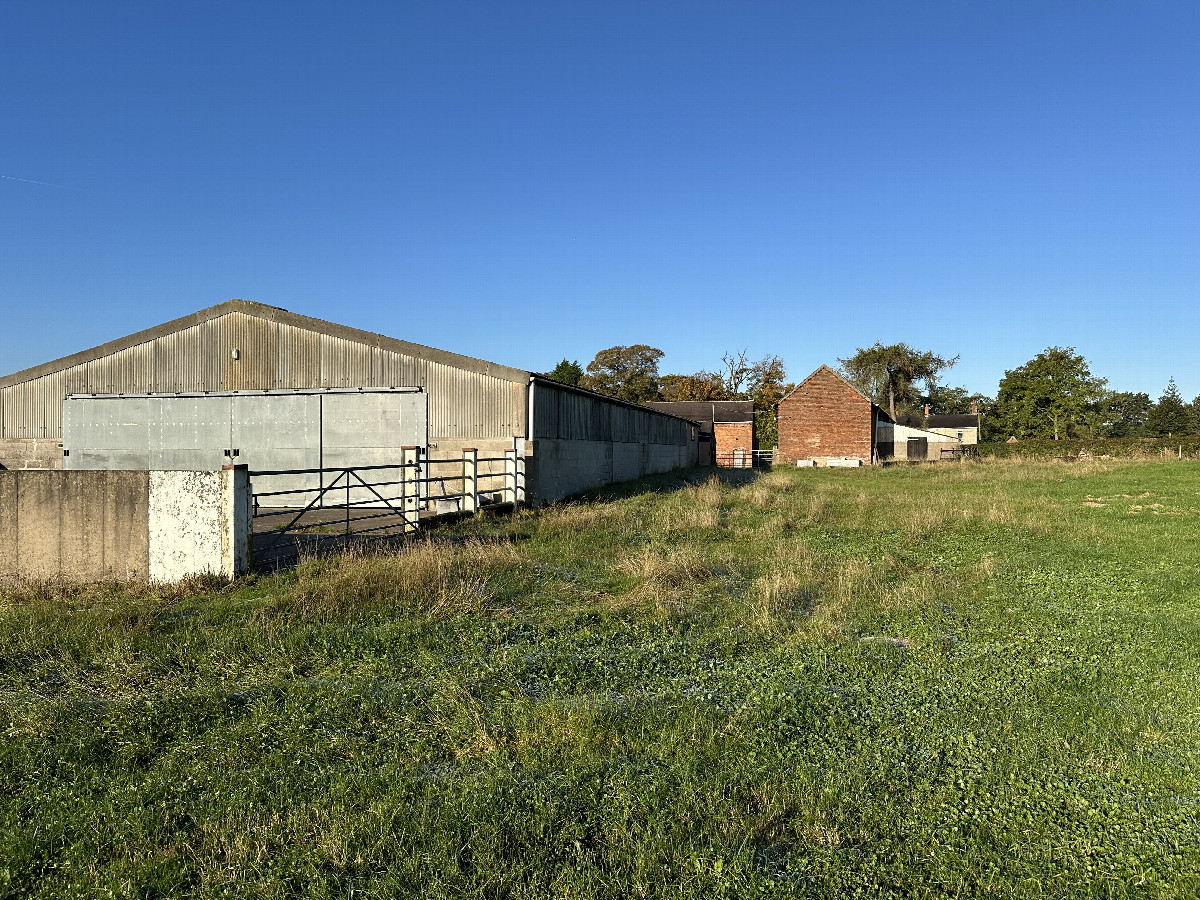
x: 576, y: 389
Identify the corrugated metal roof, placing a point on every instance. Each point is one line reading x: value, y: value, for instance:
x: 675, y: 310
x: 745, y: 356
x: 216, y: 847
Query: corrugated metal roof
x: 953, y: 421
x: 722, y: 411
x: 330, y: 331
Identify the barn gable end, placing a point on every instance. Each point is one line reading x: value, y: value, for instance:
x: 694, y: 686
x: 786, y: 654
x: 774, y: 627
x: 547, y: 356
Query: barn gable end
x: 825, y: 416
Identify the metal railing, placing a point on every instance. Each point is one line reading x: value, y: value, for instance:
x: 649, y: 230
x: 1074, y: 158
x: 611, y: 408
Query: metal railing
x: 744, y: 459
x: 313, y: 517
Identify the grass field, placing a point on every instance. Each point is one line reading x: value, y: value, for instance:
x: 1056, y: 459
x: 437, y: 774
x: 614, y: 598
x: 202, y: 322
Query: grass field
x: 965, y: 680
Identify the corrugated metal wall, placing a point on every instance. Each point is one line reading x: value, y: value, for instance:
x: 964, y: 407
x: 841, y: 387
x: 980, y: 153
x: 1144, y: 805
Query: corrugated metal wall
x: 563, y: 414
x: 271, y: 356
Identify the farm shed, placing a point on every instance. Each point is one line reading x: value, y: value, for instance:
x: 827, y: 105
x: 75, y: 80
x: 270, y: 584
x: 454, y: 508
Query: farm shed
x: 961, y: 428
x: 570, y: 439
x: 726, y: 429
x: 912, y: 442
x: 827, y: 418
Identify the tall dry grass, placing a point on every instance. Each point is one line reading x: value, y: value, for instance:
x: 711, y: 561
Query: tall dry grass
x: 425, y: 578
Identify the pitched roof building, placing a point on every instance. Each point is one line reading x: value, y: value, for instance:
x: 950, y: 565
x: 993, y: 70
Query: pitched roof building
x: 826, y: 417
x: 571, y: 439
x: 726, y: 426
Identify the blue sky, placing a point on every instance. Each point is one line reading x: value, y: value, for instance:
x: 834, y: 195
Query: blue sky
x: 528, y: 181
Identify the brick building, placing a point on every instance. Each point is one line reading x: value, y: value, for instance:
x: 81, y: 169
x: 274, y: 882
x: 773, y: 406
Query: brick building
x: 826, y: 418
x: 726, y: 426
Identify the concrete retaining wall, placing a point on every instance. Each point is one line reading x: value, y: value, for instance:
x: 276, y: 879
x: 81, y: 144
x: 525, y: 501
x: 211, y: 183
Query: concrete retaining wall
x: 99, y: 525
x: 560, y: 468
x: 82, y: 526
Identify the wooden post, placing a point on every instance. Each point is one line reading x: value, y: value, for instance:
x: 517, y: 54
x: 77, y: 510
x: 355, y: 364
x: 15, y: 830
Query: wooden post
x: 410, y: 492
x: 470, y: 489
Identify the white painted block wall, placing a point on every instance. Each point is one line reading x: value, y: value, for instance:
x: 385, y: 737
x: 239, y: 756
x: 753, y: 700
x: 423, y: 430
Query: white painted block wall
x: 199, y: 524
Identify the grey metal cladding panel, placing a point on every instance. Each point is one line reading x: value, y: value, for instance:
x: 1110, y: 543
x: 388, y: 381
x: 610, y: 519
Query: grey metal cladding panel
x: 130, y: 460
x: 276, y: 421
x: 373, y: 420
x: 278, y: 432
x: 344, y: 363
x: 189, y: 433
x: 545, y: 412
x: 566, y: 415
x: 189, y: 422
x: 116, y: 424
x: 187, y: 459
x: 299, y: 364
x: 467, y: 405
x: 255, y: 340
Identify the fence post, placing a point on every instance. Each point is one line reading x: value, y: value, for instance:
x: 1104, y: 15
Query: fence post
x: 237, y: 511
x: 470, y: 487
x: 510, y: 477
x: 410, y: 488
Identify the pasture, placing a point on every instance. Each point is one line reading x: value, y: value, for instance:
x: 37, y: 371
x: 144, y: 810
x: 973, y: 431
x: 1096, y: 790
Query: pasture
x: 968, y: 680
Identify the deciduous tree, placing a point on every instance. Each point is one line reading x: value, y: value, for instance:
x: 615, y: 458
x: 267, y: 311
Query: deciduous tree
x: 1123, y: 414
x: 700, y: 386
x: 628, y: 373
x: 890, y: 375
x: 949, y: 401
x: 1052, y: 395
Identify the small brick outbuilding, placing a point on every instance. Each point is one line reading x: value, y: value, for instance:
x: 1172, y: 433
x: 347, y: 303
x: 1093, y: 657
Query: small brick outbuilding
x: 726, y: 426
x: 826, y: 417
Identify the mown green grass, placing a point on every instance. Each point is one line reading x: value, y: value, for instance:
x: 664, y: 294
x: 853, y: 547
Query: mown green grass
x: 965, y: 680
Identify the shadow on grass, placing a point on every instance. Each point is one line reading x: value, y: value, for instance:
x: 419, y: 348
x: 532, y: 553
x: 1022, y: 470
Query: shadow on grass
x: 669, y: 483
x: 287, y: 553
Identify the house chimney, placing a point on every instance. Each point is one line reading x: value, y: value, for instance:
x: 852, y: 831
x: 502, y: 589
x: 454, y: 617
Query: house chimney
x: 927, y: 410
x: 974, y: 407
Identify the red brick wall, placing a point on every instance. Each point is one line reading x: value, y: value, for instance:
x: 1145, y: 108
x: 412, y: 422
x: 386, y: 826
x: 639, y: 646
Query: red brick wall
x: 733, y: 436
x: 824, y: 417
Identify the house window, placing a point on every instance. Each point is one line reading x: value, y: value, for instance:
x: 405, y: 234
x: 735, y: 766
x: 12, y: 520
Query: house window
x: 960, y: 435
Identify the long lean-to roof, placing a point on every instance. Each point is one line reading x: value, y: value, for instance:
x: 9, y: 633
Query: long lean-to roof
x: 270, y: 314
x: 716, y: 411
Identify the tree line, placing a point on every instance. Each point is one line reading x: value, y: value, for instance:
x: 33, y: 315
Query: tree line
x: 1054, y: 395
x: 631, y: 373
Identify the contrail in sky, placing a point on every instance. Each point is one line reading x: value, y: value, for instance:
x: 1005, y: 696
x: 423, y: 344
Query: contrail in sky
x: 43, y: 183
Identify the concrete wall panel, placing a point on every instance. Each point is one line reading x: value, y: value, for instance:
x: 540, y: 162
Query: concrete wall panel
x: 557, y: 469
x: 8, y: 523
x: 185, y: 516
x: 80, y: 525
x: 98, y: 525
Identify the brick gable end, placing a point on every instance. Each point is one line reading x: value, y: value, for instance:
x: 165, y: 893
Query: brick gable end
x: 824, y: 417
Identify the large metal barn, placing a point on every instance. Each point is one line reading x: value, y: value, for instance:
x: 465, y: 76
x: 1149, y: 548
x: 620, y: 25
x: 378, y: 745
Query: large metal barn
x: 568, y: 439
